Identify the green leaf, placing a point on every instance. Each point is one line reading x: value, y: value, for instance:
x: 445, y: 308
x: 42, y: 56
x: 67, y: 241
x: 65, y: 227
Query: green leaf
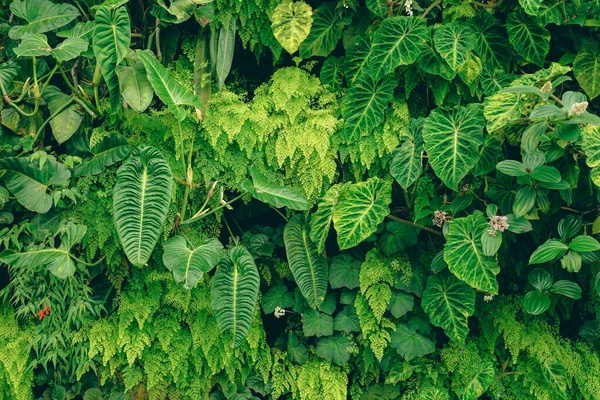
x: 571, y: 261
x: 291, y: 24
x: 397, y: 237
x: 66, y: 122
x: 31, y: 184
x: 277, y: 196
x: 407, y: 160
x: 540, y: 279
x: 567, y: 288
x: 377, y: 7
x: 324, y: 34
x: 318, y: 324
x: 483, y: 377
x: 81, y: 30
x: 431, y: 62
x: 491, y: 43
x: 234, y: 292
x: 586, y: 67
x: 36, y: 45
x: 226, y: 46
x: 297, y: 351
x: 357, y: 57
x: 501, y: 109
x: 344, y: 272
x: 409, y: 343
x: 401, y: 303
x: 454, y: 41
x: 105, y: 153
x: 111, y: 39
x: 59, y: 261
x: 335, y: 349
x: 549, y: 251
x: 361, y: 207
x: 569, y: 226
x: 491, y: 243
x: 489, y: 153
x: 452, y: 141
x: 41, y: 16
x: 536, y: 303
x: 332, y: 73
x: 438, y: 264
x: 531, y: 7
x: 512, y: 168
x: 449, y: 304
x: 546, y: 173
x: 364, y: 105
x: 277, y: 296
x: 187, y: 265
x: 398, y: 41
x: 524, y: 201
x: 308, y: 267
x: 529, y: 39
x: 141, y: 200
x: 168, y: 90
x: 320, y: 221
x: 135, y: 86
x: 347, y: 320
x: 202, y: 71
x: 463, y: 252
x: 583, y: 243
x: 182, y: 10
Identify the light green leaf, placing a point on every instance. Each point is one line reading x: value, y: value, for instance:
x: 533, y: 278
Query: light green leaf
x: 30, y: 184
x: 315, y: 323
x: 571, y: 261
x: 463, y: 252
x: 586, y: 67
x: 324, y: 34
x: 491, y: 243
x: 67, y: 122
x: 335, y: 349
x: 452, y: 140
x: 81, y: 30
x: 202, y: 71
x: 409, y: 343
x: 480, y: 382
x: 226, y: 45
x: 234, y: 293
x: 360, y: 208
x: 105, y: 153
x: 111, y: 39
x: 549, y: 251
x: 291, y: 24
x: 512, y: 168
x: 531, y: 7
x: 308, y: 267
x: 277, y: 196
x: 320, y: 221
x: 529, y: 39
x: 449, y: 304
x: 407, y: 160
x: 502, y: 108
x: 41, y: 16
x: 398, y: 41
x: 36, y: 45
x: 524, y: 201
x: 344, y: 272
x: 141, y: 200
x: 583, y: 243
x: 187, y: 265
x: 134, y: 86
x: 454, y: 41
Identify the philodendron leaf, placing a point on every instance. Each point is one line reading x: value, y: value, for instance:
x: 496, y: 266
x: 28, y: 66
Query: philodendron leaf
x: 234, y: 293
x: 320, y: 221
x: 407, y: 160
x: 59, y: 261
x: 491, y: 43
x: 36, y: 45
x: 449, y: 303
x: 41, y: 16
x: 360, y: 209
x: 141, y: 200
x: 452, y: 141
x: 483, y: 376
x: 275, y: 195
x: 325, y: 32
x: 454, y: 41
x: 111, y: 39
x: 66, y: 122
x: 529, y: 39
x: 105, y: 153
x: 30, y: 183
x: 291, y: 24
x: 135, y: 86
x: 188, y: 265
x: 309, y: 268
x: 463, y: 252
x: 586, y: 67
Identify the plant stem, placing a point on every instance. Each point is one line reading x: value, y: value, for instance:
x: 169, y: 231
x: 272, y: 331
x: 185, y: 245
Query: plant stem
x: 279, y: 212
x: 235, y: 239
x: 403, y: 221
x: 200, y: 216
x: 431, y: 7
x: 50, y: 75
x: 76, y: 92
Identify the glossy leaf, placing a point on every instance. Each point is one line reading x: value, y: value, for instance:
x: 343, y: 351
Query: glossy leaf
x: 105, y: 153
x: 454, y: 41
x: 41, y: 16
x: 536, y: 303
x: 332, y: 73
x: 491, y: 43
x: 275, y: 195
x: 549, y: 251
x: 529, y: 39
x: 583, y: 243
x: 67, y: 121
x: 586, y: 67
x: 135, y: 86
x: 567, y: 288
x: 325, y: 32
x: 407, y: 160
x: 189, y: 265
x: 291, y: 24
x: 540, y: 279
x: 36, y: 45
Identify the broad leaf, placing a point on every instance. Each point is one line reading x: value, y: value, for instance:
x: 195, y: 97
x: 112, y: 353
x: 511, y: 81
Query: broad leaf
x: 583, y: 243
x: 31, y: 184
x: 489, y: 153
x: 335, y: 349
x: 234, y: 293
x: 226, y: 45
x: 36, y: 45
x: 484, y: 375
x: 586, y: 67
x: 277, y: 296
x: 409, y: 343
x: 357, y: 57
x: 332, y: 73
x: 449, y: 303
x: 347, y: 320
x: 188, y: 265
x: 105, y: 153
x: 536, y: 303
x: 549, y: 251
x: 431, y: 62
x: 344, y: 271
x: 275, y: 195
x: 81, y: 30
x: 491, y: 43
x: 502, y: 108
x: 315, y: 323
x: 463, y: 252
x: 182, y: 10
x: 567, y: 288
x: 454, y: 41
x: 141, y: 200
x: 361, y: 207
x: 67, y: 121
x: 401, y: 303
x: 291, y: 24
x: 452, y: 141
x: 407, y: 160
x: 308, y: 267
x: 529, y: 39
x: 397, y: 237
x: 134, y: 86
x: 325, y: 32
x: 320, y: 221
x: 41, y: 16
x: 531, y: 7
x: 540, y: 279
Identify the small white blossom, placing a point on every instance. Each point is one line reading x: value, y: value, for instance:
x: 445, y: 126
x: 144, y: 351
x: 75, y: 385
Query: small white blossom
x: 439, y: 218
x: 578, y: 108
x: 488, y: 297
x: 547, y: 87
x: 498, y: 223
x: 408, y: 7
x: 279, y: 312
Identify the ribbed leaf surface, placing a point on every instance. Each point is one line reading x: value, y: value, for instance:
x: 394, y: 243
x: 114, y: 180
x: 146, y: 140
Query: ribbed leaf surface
x: 188, y: 265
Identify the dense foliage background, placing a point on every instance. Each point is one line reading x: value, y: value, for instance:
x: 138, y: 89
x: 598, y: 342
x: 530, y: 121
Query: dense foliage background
x: 343, y: 199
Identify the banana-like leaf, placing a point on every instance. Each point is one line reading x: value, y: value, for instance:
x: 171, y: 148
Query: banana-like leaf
x: 320, y: 222
x: 30, y: 183
x: 187, y: 265
x: 36, y: 45
x: 454, y: 41
x: 58, y: 260
x: 586, y: 67
x: 407, y: 160
x: 141, y: 199
x: 226, y: 45
x: 529, y: 39
x: 449, y: 303
x: 107, y: 152
x: 275, y: 195
x: 452, y: 141
x: 202, y: 72
x: 309, y: 268
x: 360, y: 208
x: 111, y: 39
x: 463, y: 252
x: 66, y: 122
x: 234, y: 293
x: 41, y: 16
x: 291, y: 22
x: 135, y: 86
x: 168, y: 90
x: 325, y: 33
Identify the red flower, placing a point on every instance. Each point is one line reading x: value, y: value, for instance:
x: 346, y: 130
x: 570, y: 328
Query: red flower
x: 44, y: 312
x: 41, y: 314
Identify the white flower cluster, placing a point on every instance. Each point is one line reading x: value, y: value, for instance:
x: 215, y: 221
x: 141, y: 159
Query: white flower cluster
x: 578, y: 108
x: 547, y: 87
x: 408, y: 7
x: 488, y: 297
x: 498, y: 223
x: 439, y: 218
x: 279, y: 312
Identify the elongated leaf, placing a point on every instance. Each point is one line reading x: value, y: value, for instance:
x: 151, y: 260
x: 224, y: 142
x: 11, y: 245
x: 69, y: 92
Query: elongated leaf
x: 454, y: 41
x: 332, y: 73
x: 324, y: 34
x: 549, y: 251
x: 320, y: 221
x: 583, y: 243
x: 449, y: 303
x: 225, y: 49
x: 291, y: 24
x: 277, y: 196
x: 202, y: 72
x: 567, y: 288
x: 135, y: 86
x: 309, y: 268
x: 361, y: 207
x: 105, y: 153
x: 586, y: 67
x: 529, y: 39
x: 407, y: 160
x: 463, y: 252
x: 452, y: 141
x: 30, y: 184
x: 491, y: 43
x: 398, y: 41
x: 234, y: 293
x: 41, y: 16
x: 364, y: 105
x: 141, y: 199
x: 188, y: 265
x: 111, y: 39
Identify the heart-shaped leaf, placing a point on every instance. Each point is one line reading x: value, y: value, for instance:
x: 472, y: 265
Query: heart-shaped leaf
x: 41, y: 16
x: 291, y: 24
x: 188, y: 265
